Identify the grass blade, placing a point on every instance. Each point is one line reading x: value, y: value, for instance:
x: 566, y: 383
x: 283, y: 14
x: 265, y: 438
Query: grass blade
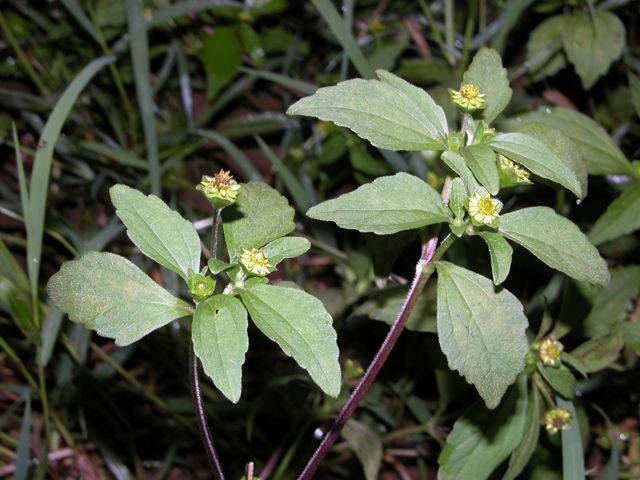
x: 162, y: 16
x: 142, y: 76
x: 76, y: 11
x: 39, y: 185
x: 122, y: 157
x: 22, y: 452
x: 297, y: 191
x: 336, y: 24
x: 185, y: 88
x: 49, y: 334
x: 245, y: 164
x: 285, y: 81
x: 572, y: 452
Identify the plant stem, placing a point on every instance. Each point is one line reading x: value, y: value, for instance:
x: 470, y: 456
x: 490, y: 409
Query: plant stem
x: 424, y: 268
x: 196, y: 395
x: 214, y: 236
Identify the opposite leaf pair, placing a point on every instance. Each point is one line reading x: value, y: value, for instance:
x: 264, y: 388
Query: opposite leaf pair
x: 110, y: 294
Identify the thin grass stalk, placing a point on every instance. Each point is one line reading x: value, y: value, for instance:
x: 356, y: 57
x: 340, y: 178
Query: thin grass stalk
x: 435, y: 32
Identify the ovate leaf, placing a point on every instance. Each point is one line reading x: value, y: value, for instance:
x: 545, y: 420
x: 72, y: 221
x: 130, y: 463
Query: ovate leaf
x: 564, y: 150
x: 423, y: 100
x: 500, y: 253
x: 599, y: 352
x: 481, y: 331
x: 259, y: 216
x: 560, y: 378
x: 159, y: 232
x: 593, y: 41
x: 634, y: 86
x: 376, y: 111
x: 486, y: 73
x: 534, y: 155
x: 388, y: 205
x: 285, y: 247
x: 601, y: 155
x: 367, y: 446
x: 556, y: 241
x: 301, y: 326
x: 621, y: 217
x: 220, y: 340
x: 221, y: 57
x: 481, y: 439
x: 109, y: 294
x: 456, y: 163
x: 482, y: 162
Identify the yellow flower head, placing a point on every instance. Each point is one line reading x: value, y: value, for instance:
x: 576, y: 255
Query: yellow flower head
x: 221, y: 189
x: 521, y: 176
x: 483, y: 209
x: 468, y: 98
x: 557, y: 419
x: 549, y: 351
x: 255, y: 261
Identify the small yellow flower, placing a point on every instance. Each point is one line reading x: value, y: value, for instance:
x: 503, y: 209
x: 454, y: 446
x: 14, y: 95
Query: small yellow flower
x: 483, y: 209
x: 557, y: 419
x: 468, y: 98
x: 221, y: 189
x: 255, y: 261
x: 549, y: 351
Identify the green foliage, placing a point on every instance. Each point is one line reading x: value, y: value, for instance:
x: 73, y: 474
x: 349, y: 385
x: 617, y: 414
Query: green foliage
x: 111, y: 295
x: 481, y: 332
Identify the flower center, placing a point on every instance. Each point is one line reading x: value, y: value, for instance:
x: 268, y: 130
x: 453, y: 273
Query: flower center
x: 486, y: 206
x: 469, y: 91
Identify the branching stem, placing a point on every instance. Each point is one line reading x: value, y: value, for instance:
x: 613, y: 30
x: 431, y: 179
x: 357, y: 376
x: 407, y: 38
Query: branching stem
x: 424, y: 269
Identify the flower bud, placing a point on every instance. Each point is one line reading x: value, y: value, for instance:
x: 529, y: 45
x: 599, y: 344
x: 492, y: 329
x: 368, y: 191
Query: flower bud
x: 221, y: 190
x: 201, y: 287
x: 557, y: 419
x: 255, y: 262
x: 549, y: 350
x: 468, y: 98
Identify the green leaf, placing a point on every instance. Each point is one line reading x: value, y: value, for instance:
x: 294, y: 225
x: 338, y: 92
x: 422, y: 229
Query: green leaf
x: 564, y: 150
x: 500, y: 252
x: 522, y: 454
x: 556, y: 241
x: 481, y: 439
x: 600, y: 153
x: 534, y: 155
x: 456, y: 163
x: 388, y: 205
x: 634, y: 86
x: 111, y: 295
x: 482, y: 162
x: 572, y: 451
x: 385, y: 305
x: 592, y: 42
x: 486, y: 73
x: 259, y: 216
x: 221, y: 57
x: 611, y: 303
x: 376, y: 111
x: 631, y: 334
x: 216, y: 265
x: 220, y: 340
x: 159, y: 232
x: 285, y: 247
x: 367, y: 446
x: 459, y: 195
x: 620, y: 217
x: 540, y: 42
x: 481, y: 332
x: 301, y: 326
x: 560, y: 378
x: 433, y: 111
x: 599, y: 352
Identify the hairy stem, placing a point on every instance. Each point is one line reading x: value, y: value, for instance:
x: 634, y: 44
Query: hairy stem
x: 214, y: 235
x: 196, y: 395
x: 424, y: 268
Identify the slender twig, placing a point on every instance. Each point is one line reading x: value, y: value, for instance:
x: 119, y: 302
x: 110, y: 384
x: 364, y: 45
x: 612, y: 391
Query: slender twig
x: 214, y: 236
x: 424, y: 268
x: 216, y: 468
x: 196, y: 394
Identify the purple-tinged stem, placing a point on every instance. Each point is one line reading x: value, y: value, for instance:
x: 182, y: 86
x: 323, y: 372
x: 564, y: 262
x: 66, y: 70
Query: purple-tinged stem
x: 196, y: 395
x: 419, y: 281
